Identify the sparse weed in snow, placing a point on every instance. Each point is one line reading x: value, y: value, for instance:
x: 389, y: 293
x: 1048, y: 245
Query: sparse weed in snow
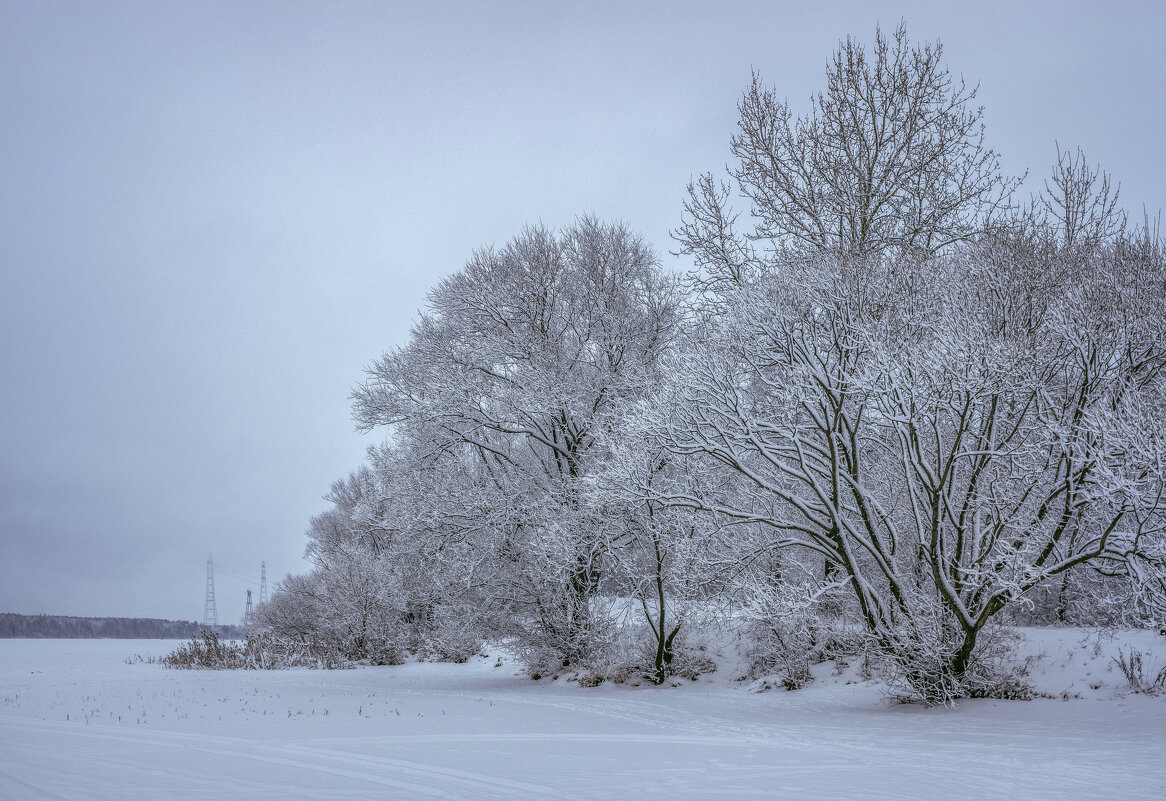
x: 1133, y: 667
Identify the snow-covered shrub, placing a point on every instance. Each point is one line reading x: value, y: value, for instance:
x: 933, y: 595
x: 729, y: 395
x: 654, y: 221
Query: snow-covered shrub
x: 691, y: 661
x: 452, y: 635
x: 259, y: 652
x: 788, y: 626
x: 916, y: 663
x: 781, y: 648
x: 630, y: 656
x: 562, y: 637
x: 207, y: 652
x: 299, y: 627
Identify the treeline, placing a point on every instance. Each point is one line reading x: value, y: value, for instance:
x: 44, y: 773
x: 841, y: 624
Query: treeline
x: 895, y: 408
x: 123, y: 628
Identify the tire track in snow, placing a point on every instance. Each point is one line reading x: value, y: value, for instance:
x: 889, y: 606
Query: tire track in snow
x: 41, y: 792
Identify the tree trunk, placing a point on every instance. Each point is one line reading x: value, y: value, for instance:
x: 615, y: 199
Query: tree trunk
x: 959, y: 663
x: 664, y: 654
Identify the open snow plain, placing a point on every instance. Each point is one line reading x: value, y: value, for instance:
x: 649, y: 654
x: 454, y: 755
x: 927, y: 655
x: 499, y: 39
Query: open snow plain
x: 78, y: 722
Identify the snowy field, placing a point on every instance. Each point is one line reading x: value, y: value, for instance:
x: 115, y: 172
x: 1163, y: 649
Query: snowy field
x: 78, y: 722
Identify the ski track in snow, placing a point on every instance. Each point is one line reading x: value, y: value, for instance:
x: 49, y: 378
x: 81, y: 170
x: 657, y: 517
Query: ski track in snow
x: 415, y: 778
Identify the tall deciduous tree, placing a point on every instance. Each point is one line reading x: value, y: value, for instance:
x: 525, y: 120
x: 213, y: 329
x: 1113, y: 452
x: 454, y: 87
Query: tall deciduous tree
x: 951, y: 431
x: 890, y: 156
x: 948, y: 415
x: 525, y: 356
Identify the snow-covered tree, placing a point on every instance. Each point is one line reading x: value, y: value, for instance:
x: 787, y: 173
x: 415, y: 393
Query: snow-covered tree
x: 660, y: 557
x: 950, y: 430
x: 890, y: 156
x: 524, y: 358
x: 941, y: 398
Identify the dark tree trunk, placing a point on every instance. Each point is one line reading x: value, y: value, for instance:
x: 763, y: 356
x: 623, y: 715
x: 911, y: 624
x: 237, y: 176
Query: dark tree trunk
x: 963, y: 657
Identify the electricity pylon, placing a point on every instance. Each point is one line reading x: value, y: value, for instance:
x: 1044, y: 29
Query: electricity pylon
x: 210, y: 612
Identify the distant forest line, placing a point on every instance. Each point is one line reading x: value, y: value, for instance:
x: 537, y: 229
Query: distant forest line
x: 124, y: 628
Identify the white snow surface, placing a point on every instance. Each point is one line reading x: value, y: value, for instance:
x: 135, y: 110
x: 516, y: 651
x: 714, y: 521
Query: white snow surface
x: 78, y: 722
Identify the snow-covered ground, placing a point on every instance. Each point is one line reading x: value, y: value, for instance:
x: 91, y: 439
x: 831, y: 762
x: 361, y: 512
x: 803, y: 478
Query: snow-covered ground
x: 77, y: 722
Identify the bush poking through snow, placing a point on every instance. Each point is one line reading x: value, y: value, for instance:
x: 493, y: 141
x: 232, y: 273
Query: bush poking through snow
x: 1134, y: 669
x: 692, y: 663
x: 208, y: 652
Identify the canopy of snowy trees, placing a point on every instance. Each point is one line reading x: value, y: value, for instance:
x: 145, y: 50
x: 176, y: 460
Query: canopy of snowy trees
x: 893, y: 407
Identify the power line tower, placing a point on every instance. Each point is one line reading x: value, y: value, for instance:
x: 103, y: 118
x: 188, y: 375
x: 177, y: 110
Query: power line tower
x: 247, y: 613
x: 262, y: 583
x: 210, y: 612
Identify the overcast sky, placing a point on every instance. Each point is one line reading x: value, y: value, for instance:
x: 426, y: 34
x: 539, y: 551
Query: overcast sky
x: 213, y: 216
